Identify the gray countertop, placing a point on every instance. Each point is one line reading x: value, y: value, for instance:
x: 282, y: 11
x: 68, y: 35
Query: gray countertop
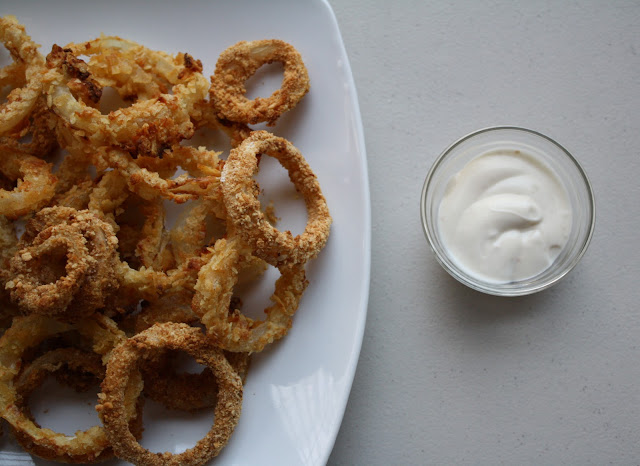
x: 448, y: 375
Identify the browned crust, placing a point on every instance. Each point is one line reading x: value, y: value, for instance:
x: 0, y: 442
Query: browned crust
x: 238, y: 63
x: 244, y: 210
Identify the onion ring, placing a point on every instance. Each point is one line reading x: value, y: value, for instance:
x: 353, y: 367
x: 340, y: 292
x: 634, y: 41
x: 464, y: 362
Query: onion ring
x: 239, y: 62
x: 89, y: 275
x: 28, y: 332
x: 39, y: 289
x: 123, y: 366
x: 230, y: 329
x: 243, y: 207
x: 78, y: 363
x: 20, y: 101
x: 8, y: 241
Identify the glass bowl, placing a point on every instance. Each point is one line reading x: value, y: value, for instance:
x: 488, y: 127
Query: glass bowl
x: 545, y: 150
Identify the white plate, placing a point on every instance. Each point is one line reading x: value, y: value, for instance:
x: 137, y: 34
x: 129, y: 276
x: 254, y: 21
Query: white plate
x: 297, y: 390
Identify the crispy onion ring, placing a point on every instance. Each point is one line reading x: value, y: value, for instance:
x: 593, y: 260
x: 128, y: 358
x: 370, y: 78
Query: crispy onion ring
x: 78, y: 364
x: 243, y: 207
x: 35, y: 183
x: 39, y: 289
x: 146, y: 127
x: 54, y: 236
x: 238, y: 63
x: 123, y: 366
x: 20, y: 101
x: 28, y: 332
x: 230, y: 329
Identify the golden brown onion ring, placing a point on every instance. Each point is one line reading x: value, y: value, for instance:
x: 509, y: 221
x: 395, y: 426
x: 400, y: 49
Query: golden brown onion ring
x: 244, y: 210
x: 38, y: 284
x: 28, y: 332
x: 67, y: 264
x: 205, y: 116
x: 238, y: 63
x: 71, y: 366
x: 124, y: 364
x: 20, y: 101
x: 229, y: 328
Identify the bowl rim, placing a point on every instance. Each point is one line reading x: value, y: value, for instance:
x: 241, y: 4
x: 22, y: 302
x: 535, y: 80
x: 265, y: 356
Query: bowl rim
x: 506, y: 289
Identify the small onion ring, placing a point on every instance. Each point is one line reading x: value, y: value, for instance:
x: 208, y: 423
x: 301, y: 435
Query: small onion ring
x: 123, y: 365
x: 37, y: 295
x: 239, y: 62
x: 243, y: 207
x: 28, y: 332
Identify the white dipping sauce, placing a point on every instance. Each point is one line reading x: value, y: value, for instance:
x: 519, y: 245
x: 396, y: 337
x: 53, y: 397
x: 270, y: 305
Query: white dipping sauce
x: 505, y: 216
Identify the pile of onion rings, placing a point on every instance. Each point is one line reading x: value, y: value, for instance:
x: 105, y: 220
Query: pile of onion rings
x: 96, y: 284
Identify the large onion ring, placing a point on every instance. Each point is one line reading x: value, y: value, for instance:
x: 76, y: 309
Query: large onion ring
x: 238, y: 63
x: 243, y: 207
x: 20, y: 101
x: 123, y: 365
x: 28, y: 332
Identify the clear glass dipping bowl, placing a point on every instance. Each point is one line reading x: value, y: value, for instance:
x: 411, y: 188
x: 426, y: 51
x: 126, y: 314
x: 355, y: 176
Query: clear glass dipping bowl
x: 575, y: 180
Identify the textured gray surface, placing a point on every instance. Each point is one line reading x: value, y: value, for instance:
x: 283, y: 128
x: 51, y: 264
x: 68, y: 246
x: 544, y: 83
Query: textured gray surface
x: 447, y: 375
